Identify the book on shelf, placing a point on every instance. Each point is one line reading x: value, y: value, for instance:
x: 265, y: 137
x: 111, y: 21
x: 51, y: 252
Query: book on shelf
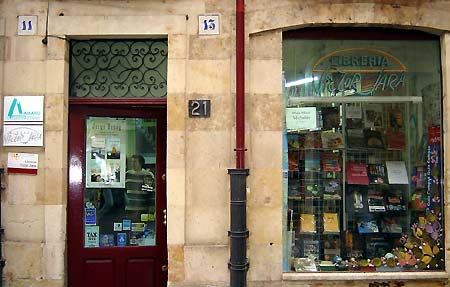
x: 419, y: 200
x: 332, y: 189
x: 307, y: 223
x: 373, y: 139
x: 357, y: 173
x: 330, y: 162
x: 395, y: 140
x: 377, y: 173
x: 355, y: 138
x: 375, y: 201
x: 373, y: 114
x: 312, y: 161
x: 294, y: 187
x: 330, y: 222
x: 311, y: 248
x: 293, y: 160
x: 293, y: 141
x: 311, y: 140
x: 395, y: 202
x: 396, y: 171
x: 419, y: 176
x: 390, y: 225
x: 354, y: 119
x: 330, y: 118
x: 396, y: 118
x: 332, y: 140
x: 367, y: 226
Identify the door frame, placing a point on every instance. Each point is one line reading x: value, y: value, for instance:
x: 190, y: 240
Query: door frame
x: 78, y: 110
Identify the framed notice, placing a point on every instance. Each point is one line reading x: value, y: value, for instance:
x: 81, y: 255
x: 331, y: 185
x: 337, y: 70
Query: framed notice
x: 105, y: 152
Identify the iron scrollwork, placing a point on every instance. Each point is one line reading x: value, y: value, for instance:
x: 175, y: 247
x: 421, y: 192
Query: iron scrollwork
x: 118, y: 69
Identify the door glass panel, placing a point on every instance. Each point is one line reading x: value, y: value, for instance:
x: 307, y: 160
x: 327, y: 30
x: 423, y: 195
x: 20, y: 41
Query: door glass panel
x: 120, y: 186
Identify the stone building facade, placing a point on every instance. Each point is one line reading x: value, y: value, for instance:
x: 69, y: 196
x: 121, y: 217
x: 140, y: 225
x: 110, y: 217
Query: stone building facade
x: 199, y: 152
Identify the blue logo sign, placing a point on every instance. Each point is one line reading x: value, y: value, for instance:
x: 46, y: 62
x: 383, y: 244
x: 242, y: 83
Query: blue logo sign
x: 27, y: 108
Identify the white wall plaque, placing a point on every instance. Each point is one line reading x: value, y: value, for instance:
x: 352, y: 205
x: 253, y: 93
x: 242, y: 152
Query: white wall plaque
x: 209, y: 24
x: 22, y: 163
x: 27, y: 25
x: 23, y: 135
x: 23, y: 109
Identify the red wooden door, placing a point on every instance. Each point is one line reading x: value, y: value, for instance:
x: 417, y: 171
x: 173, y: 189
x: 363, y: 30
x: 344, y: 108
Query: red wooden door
x: 116, y: 228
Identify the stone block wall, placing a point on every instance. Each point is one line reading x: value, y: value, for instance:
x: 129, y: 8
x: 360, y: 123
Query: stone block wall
x: 199, y: 151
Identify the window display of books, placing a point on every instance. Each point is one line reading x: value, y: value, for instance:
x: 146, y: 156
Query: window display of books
x: 360, y: 155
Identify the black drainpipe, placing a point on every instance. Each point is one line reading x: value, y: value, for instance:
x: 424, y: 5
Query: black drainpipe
x: 2, y: 261
x: 238, y: 232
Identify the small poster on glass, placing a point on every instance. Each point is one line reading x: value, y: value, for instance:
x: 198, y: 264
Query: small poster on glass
x: 105, y: 158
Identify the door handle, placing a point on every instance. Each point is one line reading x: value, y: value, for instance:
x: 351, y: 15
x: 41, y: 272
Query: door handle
x: 164, y: 268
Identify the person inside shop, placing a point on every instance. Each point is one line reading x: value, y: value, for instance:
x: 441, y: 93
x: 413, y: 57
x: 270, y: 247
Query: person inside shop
x: 139, y: 185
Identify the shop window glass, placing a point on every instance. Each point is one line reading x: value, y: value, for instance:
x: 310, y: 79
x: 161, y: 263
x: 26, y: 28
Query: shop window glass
x: 120, y: 193
x: 362, y: 155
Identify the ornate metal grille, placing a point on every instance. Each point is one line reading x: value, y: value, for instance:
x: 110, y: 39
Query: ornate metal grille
x: 118, y: 69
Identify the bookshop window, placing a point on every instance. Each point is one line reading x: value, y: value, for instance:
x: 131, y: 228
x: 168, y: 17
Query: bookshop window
x: 362, y: 156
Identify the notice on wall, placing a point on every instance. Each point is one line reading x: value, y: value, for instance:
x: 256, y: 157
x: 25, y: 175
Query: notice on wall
x: 26, y: 163
x: 105, y: 152
x: 304, y: 118
x: 91, y: 234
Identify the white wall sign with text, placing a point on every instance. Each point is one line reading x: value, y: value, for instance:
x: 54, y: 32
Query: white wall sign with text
x: 23, y: 135
x: 22, y: 163
x: 209, y: 24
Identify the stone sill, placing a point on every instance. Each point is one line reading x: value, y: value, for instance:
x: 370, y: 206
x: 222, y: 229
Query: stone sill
x: 352, y: 276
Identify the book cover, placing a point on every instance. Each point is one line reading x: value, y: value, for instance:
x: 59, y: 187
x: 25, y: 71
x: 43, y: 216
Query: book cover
x: 107, y: 240
x: 357, y: 173
x: 330, y: 222
x: 395, y: 202
x: 373, y: 139
x: 312, y: 161
x: 377, y: 173
x: 332, y: 140
x: 354, y: 119
x: 355, y: 138
x: 375, y: 201
x: 395, y: 140
x: 419, y: 200
x: 312, y: 140
x: 293, y: 160
x: 373, y: 114
x: 367, y: 226
x: 396, y: 118
x: 332, y: 189
x: 330, y: 162
x: 293, y: 142
x: 294, y: 187
x: 330, y: 118
x: 396, y: 171
x: 390, y: 225
x: 307, y: 223
x: 419, y: 176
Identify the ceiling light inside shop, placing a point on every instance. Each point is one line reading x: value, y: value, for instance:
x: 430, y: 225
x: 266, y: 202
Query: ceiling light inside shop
x: 301, y: 81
